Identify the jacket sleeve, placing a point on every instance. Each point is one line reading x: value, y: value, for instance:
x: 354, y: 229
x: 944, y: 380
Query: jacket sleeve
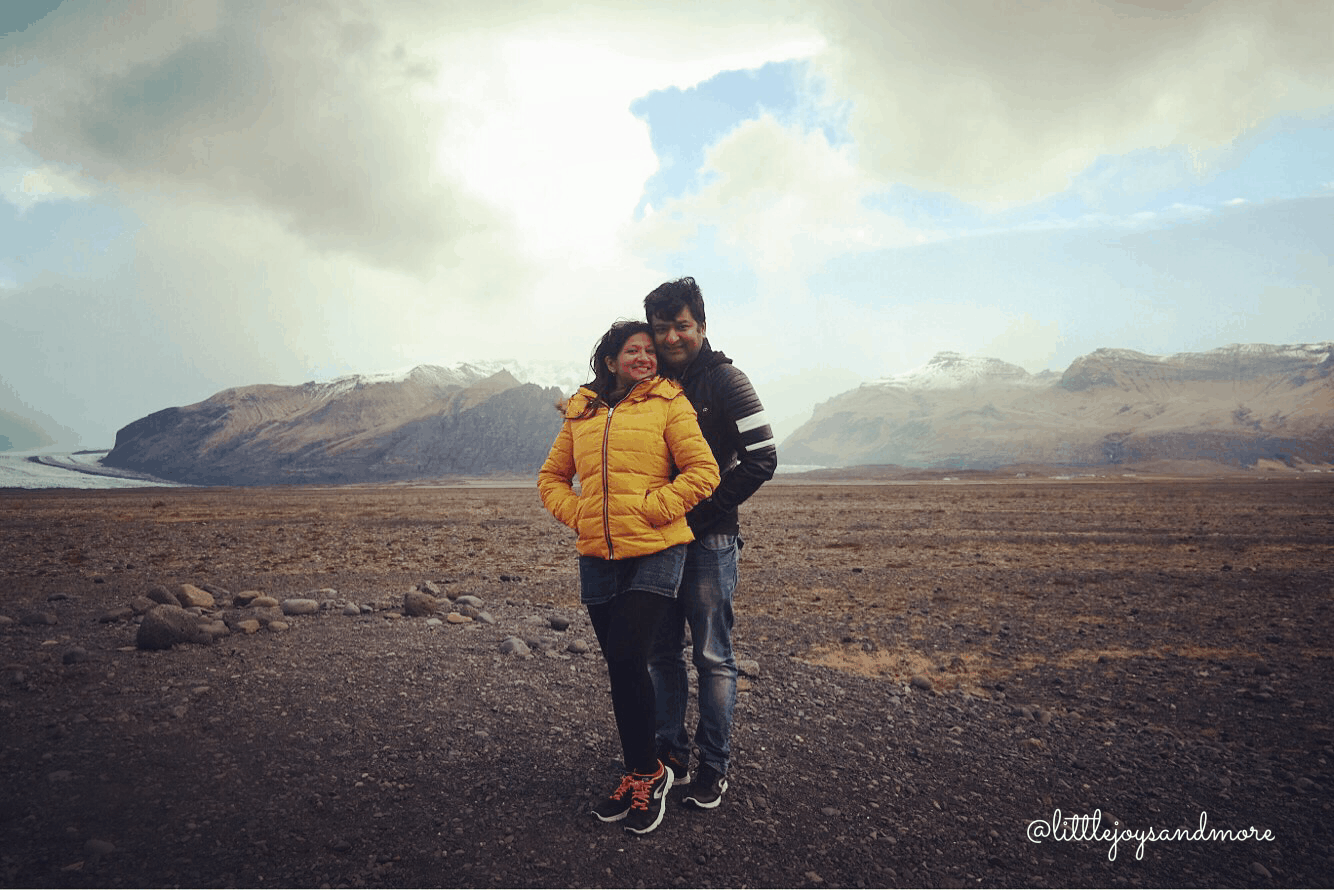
x: 554, y: 480
x: 756, y: 449
x: 698, y: 471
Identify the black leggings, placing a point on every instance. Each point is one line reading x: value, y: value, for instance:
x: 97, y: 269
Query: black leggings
x: 625, y: 627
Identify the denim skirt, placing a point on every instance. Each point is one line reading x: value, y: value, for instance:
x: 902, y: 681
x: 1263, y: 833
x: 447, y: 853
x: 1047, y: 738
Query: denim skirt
x: 600, y: 580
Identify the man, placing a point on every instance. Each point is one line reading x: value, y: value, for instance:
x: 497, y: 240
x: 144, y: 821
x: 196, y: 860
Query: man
x: 734, y: 424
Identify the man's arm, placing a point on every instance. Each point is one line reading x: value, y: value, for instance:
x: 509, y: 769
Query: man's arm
x: 757, y: 452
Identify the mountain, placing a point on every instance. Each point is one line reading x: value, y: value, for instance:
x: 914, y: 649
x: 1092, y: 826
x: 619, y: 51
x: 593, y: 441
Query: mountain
x: 1234, y: 405
x: 20, y: 434
x: 431, y: 421
x: 24, y: 428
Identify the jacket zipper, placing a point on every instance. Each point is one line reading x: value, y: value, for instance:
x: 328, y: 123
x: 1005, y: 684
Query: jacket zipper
x: 606, y: 511
x: 606, y: 501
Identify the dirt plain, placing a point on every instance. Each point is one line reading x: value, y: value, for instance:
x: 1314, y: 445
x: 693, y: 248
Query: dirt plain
x: 1156, y: 651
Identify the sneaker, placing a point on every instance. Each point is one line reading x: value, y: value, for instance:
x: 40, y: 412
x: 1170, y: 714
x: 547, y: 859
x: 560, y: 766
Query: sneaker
x: 614, y: 807
x: 648, y: 799
x: 706, y: 792
x: 680, y: 764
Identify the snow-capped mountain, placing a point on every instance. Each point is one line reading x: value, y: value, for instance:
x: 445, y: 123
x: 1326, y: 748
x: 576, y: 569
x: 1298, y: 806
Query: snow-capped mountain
x: 1234, y: 405
x: 951, y: 370
x: 424, y: 422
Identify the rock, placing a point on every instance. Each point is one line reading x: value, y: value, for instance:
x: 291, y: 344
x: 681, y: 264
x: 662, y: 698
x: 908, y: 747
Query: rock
x: 96, y: 849
x: 141, y: 604
x: 515, y: 646
x: 37, y: 619
x: 220, y: 593
x: 5, y: 621
x: 558, y: 623
x: 417, y: 604
x: 831, y: 812
x: 485, y: 618
x: 469, y: 600
x: 75, y: 655
x: 120, y: 613
x: 469, y: 611
x: 264, y: 602
x: 300, y: 606
x: 1258, y: 869
x: 429, y: 587
x: 192, y: 597
x: 749, y: 666
x: 248, y: 626
x: 351, y: 609
x: 216, y: 628
x: 434, y: 622
x: 279, y: 626
x: 246, y: 597
x: 919, y: 681
x: 162, y: 595
x: 578, y: 647
x: 164, y: 626
x: 456, y: 618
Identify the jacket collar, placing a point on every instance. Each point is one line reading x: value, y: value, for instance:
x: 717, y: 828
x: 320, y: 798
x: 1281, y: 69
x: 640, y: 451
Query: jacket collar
x: 707, y: 358
x: 656, y: 385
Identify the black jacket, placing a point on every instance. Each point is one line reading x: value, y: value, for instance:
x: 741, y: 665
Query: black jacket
x: 737, y: 430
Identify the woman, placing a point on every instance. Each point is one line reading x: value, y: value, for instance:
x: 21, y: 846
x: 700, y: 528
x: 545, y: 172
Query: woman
x: 634, y: 441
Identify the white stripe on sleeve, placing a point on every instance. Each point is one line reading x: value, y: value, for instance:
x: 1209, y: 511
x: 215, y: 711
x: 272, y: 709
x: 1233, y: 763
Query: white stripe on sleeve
x: 754, y: 421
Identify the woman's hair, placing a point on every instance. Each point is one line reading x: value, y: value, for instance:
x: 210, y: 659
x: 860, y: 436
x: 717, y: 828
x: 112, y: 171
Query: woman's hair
x: 610, y: 346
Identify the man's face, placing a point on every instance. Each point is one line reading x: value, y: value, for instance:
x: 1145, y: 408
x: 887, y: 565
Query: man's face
x: 678, y: 340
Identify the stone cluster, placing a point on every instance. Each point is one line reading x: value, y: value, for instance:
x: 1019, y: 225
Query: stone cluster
x: 200, y: 614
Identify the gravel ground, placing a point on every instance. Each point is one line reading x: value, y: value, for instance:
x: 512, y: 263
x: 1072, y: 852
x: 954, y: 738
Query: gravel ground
x: 934, y: 670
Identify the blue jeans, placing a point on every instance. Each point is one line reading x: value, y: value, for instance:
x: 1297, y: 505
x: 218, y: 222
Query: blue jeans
x: 705, y: 601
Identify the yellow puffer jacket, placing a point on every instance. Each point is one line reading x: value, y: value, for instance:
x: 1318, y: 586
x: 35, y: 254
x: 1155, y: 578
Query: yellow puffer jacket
x: 630, y: 504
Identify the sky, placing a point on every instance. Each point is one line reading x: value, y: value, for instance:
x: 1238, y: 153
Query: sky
x: 197, y: 196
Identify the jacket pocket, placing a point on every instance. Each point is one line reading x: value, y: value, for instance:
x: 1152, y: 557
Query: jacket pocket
x: 653, y: 510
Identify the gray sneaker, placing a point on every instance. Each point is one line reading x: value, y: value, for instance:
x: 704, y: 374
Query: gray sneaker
x: 680, y: 764
x: 706, y: 792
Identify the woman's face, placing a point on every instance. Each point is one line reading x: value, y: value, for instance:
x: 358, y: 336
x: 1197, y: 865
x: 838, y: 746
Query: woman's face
x: 635, y: 362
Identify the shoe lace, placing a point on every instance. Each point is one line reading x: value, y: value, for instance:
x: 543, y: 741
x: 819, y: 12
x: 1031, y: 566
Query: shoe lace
x: 627, y: 784
x: 640, y: 787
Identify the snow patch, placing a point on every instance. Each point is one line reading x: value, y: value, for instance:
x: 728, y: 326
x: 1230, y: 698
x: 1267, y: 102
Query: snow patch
x: 952, y: 370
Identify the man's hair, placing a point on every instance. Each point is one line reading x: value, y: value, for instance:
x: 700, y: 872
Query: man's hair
x: 667, y: 299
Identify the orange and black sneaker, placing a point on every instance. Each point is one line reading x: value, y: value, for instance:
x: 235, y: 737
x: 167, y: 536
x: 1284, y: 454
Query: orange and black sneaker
x: 648, y: 799
x: 614, y: 807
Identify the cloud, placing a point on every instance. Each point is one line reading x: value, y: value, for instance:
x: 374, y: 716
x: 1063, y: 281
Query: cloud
x: 312, y: 112
x: 1001, y: 103
x: 782, y: 199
